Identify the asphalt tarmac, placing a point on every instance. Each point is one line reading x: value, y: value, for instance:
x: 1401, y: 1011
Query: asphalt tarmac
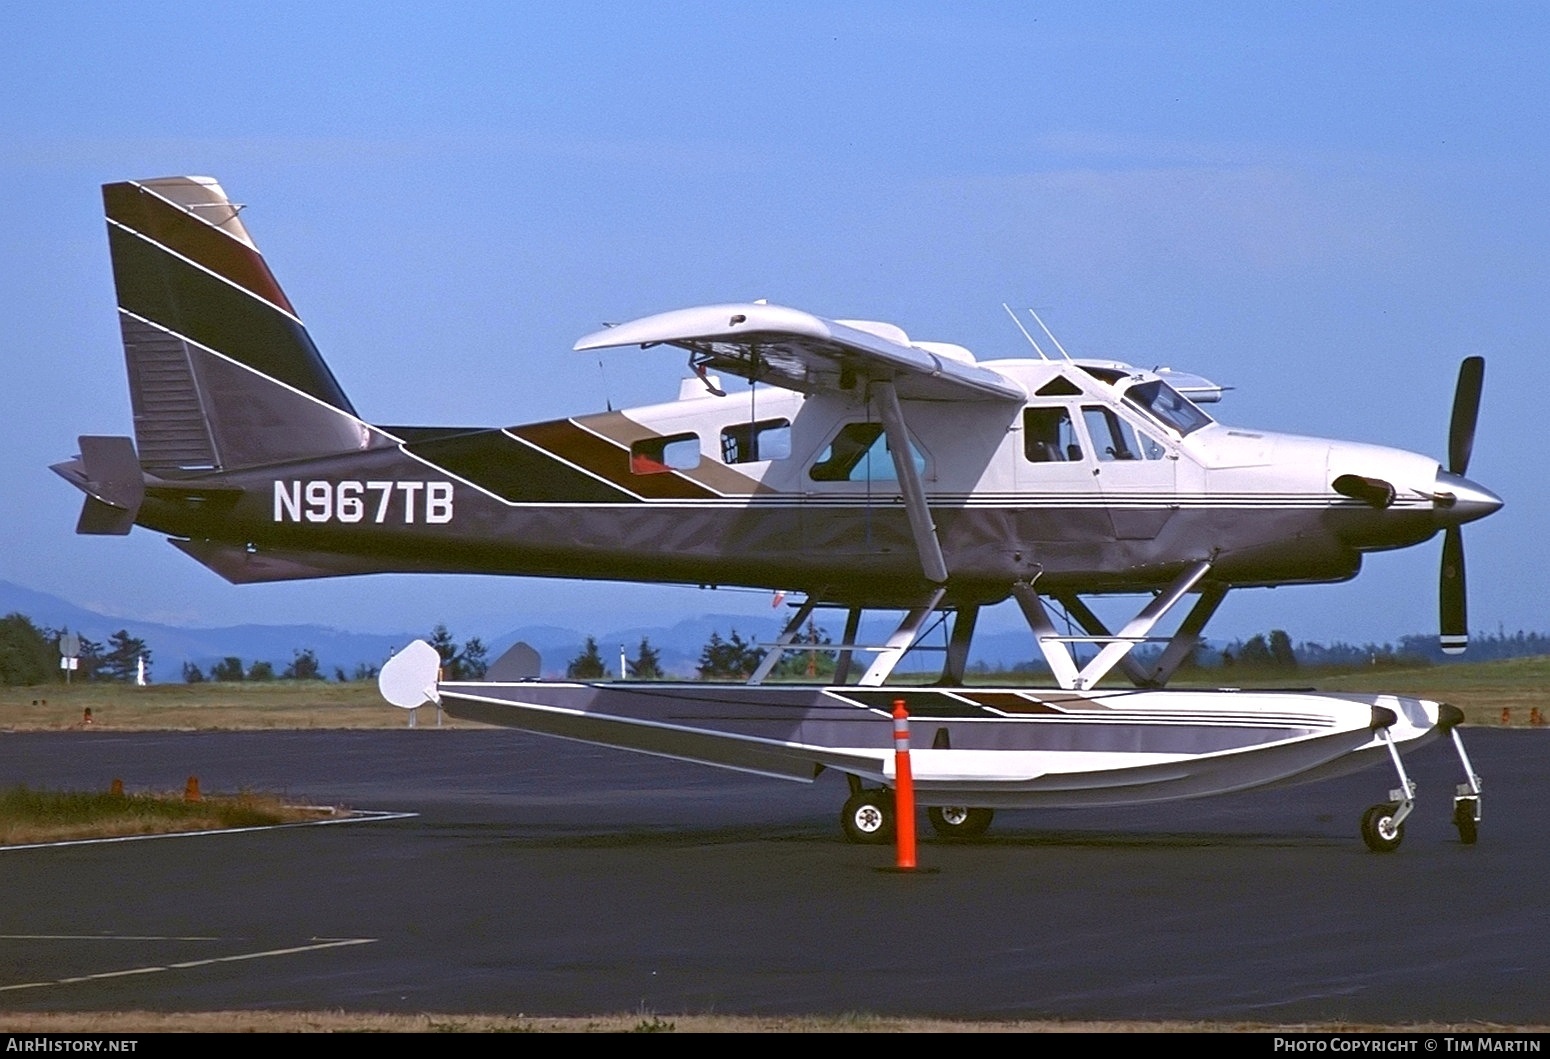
x: 546, y: 878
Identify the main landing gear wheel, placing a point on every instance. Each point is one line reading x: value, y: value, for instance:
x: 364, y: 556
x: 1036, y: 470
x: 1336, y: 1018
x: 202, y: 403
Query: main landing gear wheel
x: 868, y: 817
x: 1465, y: 820
x: 955, y: 821
x: 1379, y: 830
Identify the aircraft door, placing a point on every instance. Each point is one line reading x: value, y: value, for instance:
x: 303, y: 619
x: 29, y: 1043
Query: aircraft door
x: 1058, y: 496
x: 1136, y: 473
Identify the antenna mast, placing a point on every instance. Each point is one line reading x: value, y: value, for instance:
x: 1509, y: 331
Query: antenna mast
x: 1051, y: 334
x: 1024, y: 330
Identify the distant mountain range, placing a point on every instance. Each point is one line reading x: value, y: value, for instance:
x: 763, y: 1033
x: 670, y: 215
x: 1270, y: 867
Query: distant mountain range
x: 679, y: 643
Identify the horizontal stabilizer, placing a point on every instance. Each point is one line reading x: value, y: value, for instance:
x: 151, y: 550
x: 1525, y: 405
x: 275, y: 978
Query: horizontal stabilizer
x: 104, y: 520
x: 108, y: 472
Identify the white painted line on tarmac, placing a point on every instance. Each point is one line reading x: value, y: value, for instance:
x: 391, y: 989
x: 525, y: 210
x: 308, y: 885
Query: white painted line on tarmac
x: 364, y: 817
x: 321, y: 943
x: 106, y: 937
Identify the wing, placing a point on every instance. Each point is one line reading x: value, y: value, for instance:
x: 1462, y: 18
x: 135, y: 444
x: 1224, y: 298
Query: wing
x: 799, y: 351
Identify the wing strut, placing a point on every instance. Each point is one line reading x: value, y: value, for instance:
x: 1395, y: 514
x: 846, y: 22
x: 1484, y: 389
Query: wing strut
x: 787, y: 634
x: 932, y: 564
x: 902, y: 639
x: 1116, y: 647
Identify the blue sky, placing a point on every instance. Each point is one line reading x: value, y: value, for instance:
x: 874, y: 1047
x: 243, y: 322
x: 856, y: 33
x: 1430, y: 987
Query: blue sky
x: 1323, y: 205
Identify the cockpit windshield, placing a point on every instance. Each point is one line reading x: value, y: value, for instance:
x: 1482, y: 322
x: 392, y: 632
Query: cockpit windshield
x: 1166, y: 405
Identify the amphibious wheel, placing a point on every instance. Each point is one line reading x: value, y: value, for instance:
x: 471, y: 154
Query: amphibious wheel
x: 868, y: 817
x: 1379, y: 830
x: 1464, y: 820
x: 955, y: 821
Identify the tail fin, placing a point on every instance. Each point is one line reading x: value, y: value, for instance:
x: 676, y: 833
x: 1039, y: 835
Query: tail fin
x: 222, y: 374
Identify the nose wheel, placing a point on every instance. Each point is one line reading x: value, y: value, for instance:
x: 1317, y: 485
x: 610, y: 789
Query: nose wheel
x: 1383, y: 828
x: 1466, y: 817
x: 1466, y: 796
x: 1383, y: 825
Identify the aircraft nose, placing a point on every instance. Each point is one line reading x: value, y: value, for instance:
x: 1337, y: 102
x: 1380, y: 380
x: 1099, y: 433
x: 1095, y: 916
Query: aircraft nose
x: 1459, y: 500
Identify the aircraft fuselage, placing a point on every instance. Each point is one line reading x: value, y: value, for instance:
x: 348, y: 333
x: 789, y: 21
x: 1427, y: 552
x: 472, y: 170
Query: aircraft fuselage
x: 753, y: 488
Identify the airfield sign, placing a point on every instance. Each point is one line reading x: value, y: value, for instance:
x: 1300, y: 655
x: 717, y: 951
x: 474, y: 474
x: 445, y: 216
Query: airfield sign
x: 69, y: 653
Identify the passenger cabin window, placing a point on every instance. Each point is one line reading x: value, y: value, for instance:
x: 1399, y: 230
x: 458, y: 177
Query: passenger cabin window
x: 860, y: 453
x: 1049, y: 437
x: 676, y: 452
x: 750, y: 442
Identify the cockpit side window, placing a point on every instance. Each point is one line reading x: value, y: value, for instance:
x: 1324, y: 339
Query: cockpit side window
x: 1165, y: 404
x: 1151, y: 448
x: 1049, y: 437
x: 860, y: 453
x: 1115, y: 439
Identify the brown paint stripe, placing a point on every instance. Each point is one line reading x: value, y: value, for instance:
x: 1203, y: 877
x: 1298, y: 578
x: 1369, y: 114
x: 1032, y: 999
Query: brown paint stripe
x: 185, y: 234
x: 608, y: 460
x: 1008, y: 702
x: 719, y: 478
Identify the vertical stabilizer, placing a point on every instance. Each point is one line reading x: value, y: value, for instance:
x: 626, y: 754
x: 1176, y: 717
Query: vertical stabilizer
x: 222, y: 373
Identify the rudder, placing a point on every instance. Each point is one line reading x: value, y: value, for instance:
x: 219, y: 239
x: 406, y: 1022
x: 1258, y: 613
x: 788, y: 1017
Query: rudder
x: 222, y: 372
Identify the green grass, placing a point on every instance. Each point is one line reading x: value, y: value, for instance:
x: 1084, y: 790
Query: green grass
x: 288, y: 704
x: 28, y: 815
x: 1481, y: 689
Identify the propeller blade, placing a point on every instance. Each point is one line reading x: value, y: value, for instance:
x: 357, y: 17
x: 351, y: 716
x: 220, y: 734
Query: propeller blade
x: 1466, y: 410
x: 1450, y: 594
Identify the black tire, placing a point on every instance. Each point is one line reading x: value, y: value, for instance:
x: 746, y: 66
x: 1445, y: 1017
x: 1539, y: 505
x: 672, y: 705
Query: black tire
x: 1379, y: 831
x: 1464, y: 820
x: 955, y: 821
x: 868, y: 817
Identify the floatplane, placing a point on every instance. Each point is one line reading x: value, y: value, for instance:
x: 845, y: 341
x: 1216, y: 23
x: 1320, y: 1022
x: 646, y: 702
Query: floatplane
x: 859, y: 468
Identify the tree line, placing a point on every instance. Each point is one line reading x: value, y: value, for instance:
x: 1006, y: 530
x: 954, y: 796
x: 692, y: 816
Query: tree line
x: 458, y: 662
x: 30, y: 654
x: 729, y: 658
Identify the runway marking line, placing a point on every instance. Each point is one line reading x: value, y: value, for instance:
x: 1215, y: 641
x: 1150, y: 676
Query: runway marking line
x: 320, y: 943
x: 362, y: 817
x: 107, y: 937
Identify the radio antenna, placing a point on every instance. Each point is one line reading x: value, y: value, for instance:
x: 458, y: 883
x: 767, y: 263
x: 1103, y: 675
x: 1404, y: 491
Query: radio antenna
x: 1051, y: 334
x: 1024, y: 330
